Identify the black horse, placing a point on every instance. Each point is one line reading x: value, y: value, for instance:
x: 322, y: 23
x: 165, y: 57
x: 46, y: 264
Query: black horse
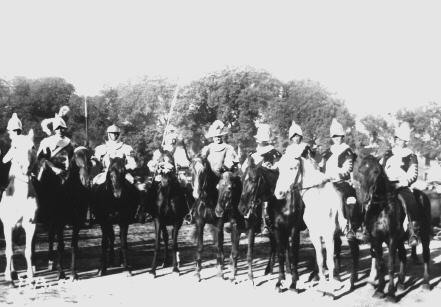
x: 384, y: 220
x: 166, y: 203
x: 258, y: 187
x: 230, y: 188
x: 64, y: 200
x: 115, y: 201
x: 205, y: 193
x: 374, y: 193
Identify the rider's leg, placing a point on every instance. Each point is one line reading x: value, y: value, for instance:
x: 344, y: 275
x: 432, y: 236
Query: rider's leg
x: 410, y: 205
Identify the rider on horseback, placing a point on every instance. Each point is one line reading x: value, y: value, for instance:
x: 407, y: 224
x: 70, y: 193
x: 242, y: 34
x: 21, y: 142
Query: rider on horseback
x: 114, y: 148
x: 220, y: 155
x: 338, y: 164
x: 267, y: 156
x: 52, y: 146
x: 64, y: 110
x: 401, y: 167
x: 297, y: 148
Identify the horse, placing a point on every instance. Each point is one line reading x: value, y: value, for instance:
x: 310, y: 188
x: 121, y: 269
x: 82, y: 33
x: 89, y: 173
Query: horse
x: 258, y: 185
x: 166, y: 203
x: 384, y: 222
x: 115, y: 201
x: 301, y: 182
x: 64, y: 200
x: 230, y: 188
x: 207, y: 209
x: 18, y: 205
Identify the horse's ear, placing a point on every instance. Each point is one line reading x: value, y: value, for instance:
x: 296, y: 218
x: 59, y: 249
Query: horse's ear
x: 31, y: 134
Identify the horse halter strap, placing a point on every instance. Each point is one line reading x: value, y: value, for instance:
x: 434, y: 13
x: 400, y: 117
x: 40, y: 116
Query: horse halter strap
x: 300, y: 171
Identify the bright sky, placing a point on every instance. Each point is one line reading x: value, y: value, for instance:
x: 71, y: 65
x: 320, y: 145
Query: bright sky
x: 378, y: 56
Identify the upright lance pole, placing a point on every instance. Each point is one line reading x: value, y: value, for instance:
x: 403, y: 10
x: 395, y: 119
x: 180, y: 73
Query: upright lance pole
x: 86, y: 121
x: 172, y: 104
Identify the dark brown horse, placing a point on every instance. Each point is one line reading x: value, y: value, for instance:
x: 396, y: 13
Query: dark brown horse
x: 115, y: 201
x: 384, y: 221
x: 166, y: 203
x: 207, y: 209
x: 64, y: 200
x: 258, y: 187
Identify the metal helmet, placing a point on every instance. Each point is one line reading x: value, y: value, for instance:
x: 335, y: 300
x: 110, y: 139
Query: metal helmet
x: 113, y: 129
x: 14, y: 123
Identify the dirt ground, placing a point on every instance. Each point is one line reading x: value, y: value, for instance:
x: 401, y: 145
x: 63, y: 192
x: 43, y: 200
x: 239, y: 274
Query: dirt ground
x: 119, y: 289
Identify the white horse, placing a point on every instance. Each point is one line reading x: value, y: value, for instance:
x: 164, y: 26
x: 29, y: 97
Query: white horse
x: 19, y: 204
x: 321, y: 208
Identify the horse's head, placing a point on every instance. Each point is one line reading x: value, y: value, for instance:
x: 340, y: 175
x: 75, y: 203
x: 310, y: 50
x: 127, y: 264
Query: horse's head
x: 229, y: 191
x: 290, y: 171
x: 253, y: 184
x: 117, y: 172
x: 81, y: 165
x: 367, y: 174
x: 22, y: 155
x: 199, y: 171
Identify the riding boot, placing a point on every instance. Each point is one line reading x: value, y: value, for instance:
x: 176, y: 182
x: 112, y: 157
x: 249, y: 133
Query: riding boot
x: 265, y: 219
x: 350, y: 234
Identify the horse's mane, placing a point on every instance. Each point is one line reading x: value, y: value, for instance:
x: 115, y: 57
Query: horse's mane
x: 311, y: 175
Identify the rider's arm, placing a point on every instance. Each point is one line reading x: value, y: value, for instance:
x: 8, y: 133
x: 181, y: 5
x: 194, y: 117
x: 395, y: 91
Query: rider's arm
x: 130, y: 157
x: 231, y: 157
x: 345, y: 170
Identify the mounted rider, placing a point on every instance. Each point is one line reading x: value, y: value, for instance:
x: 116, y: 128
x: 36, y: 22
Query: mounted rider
x: 220, y: 155
x: 267, y: 156
x: 114, y: 148
x: 57, y: 149
x: 401, y: 167
x: 297, y: 148
x: 176, y: 158
x: 63, y: 113
x: 338, y: 163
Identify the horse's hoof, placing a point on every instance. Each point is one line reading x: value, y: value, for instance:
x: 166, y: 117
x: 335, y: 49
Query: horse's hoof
x: 61, y: 275
x: 220, y: 275
x: 251, y: 283
x: 313, y: 277
x: 391, y: 298
x: 268, y: 270
x: 293, y: 288
x: 74, y: 277
x: 378, y: 294
x: 50, y: 265
x: 278, y: 287
x: 426, y: 287
x: 176, y: 272
x: 102, y: 272
x: 198, y: 277
x: 34, y: 269
x: 13, y: 276
x: 152, y: 274
x: 129, y: 273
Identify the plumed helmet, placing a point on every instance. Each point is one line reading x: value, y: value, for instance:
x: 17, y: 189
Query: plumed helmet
x: 64, y: 109
x: 336, y: 128
x: 294, y: 129
x: 14, y: 123
x: 59, y: 122
x: 403, y: 132
x: 113, y: 129
x: 263, y: 133
x: 217, y: 128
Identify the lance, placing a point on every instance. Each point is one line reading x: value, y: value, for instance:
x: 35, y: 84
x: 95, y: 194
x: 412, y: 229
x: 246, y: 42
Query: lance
x: 172, y: 104
x: 86, y: 121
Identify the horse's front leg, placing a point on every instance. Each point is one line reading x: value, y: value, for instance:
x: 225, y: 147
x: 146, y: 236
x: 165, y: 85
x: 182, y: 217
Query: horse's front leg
x: 175, y: 232
x: 282, y: 244
x: 7, y: 229
x: 273, y: 251
x: 51, y: 239
x: 220, y: 247
x: 60, y: 252
x: 425, y: 241
x: 123, y: 233
x: 337, y: 255
x: 157, y: 245
x: 355, y: 253
x: 104, y: 245
x: 234, y: 249
x: 165, y: 238
x: 75, y: 235
x: 402, y: 258
x: 379, y: 292
x: 200, y: 246
x: 29, y: 229
x: 295, y: 247
x: 111, y: 238
x: 391, y: 269
x: 250, y: 252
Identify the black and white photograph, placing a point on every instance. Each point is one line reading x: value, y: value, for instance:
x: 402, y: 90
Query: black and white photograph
x: 220, y: 153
